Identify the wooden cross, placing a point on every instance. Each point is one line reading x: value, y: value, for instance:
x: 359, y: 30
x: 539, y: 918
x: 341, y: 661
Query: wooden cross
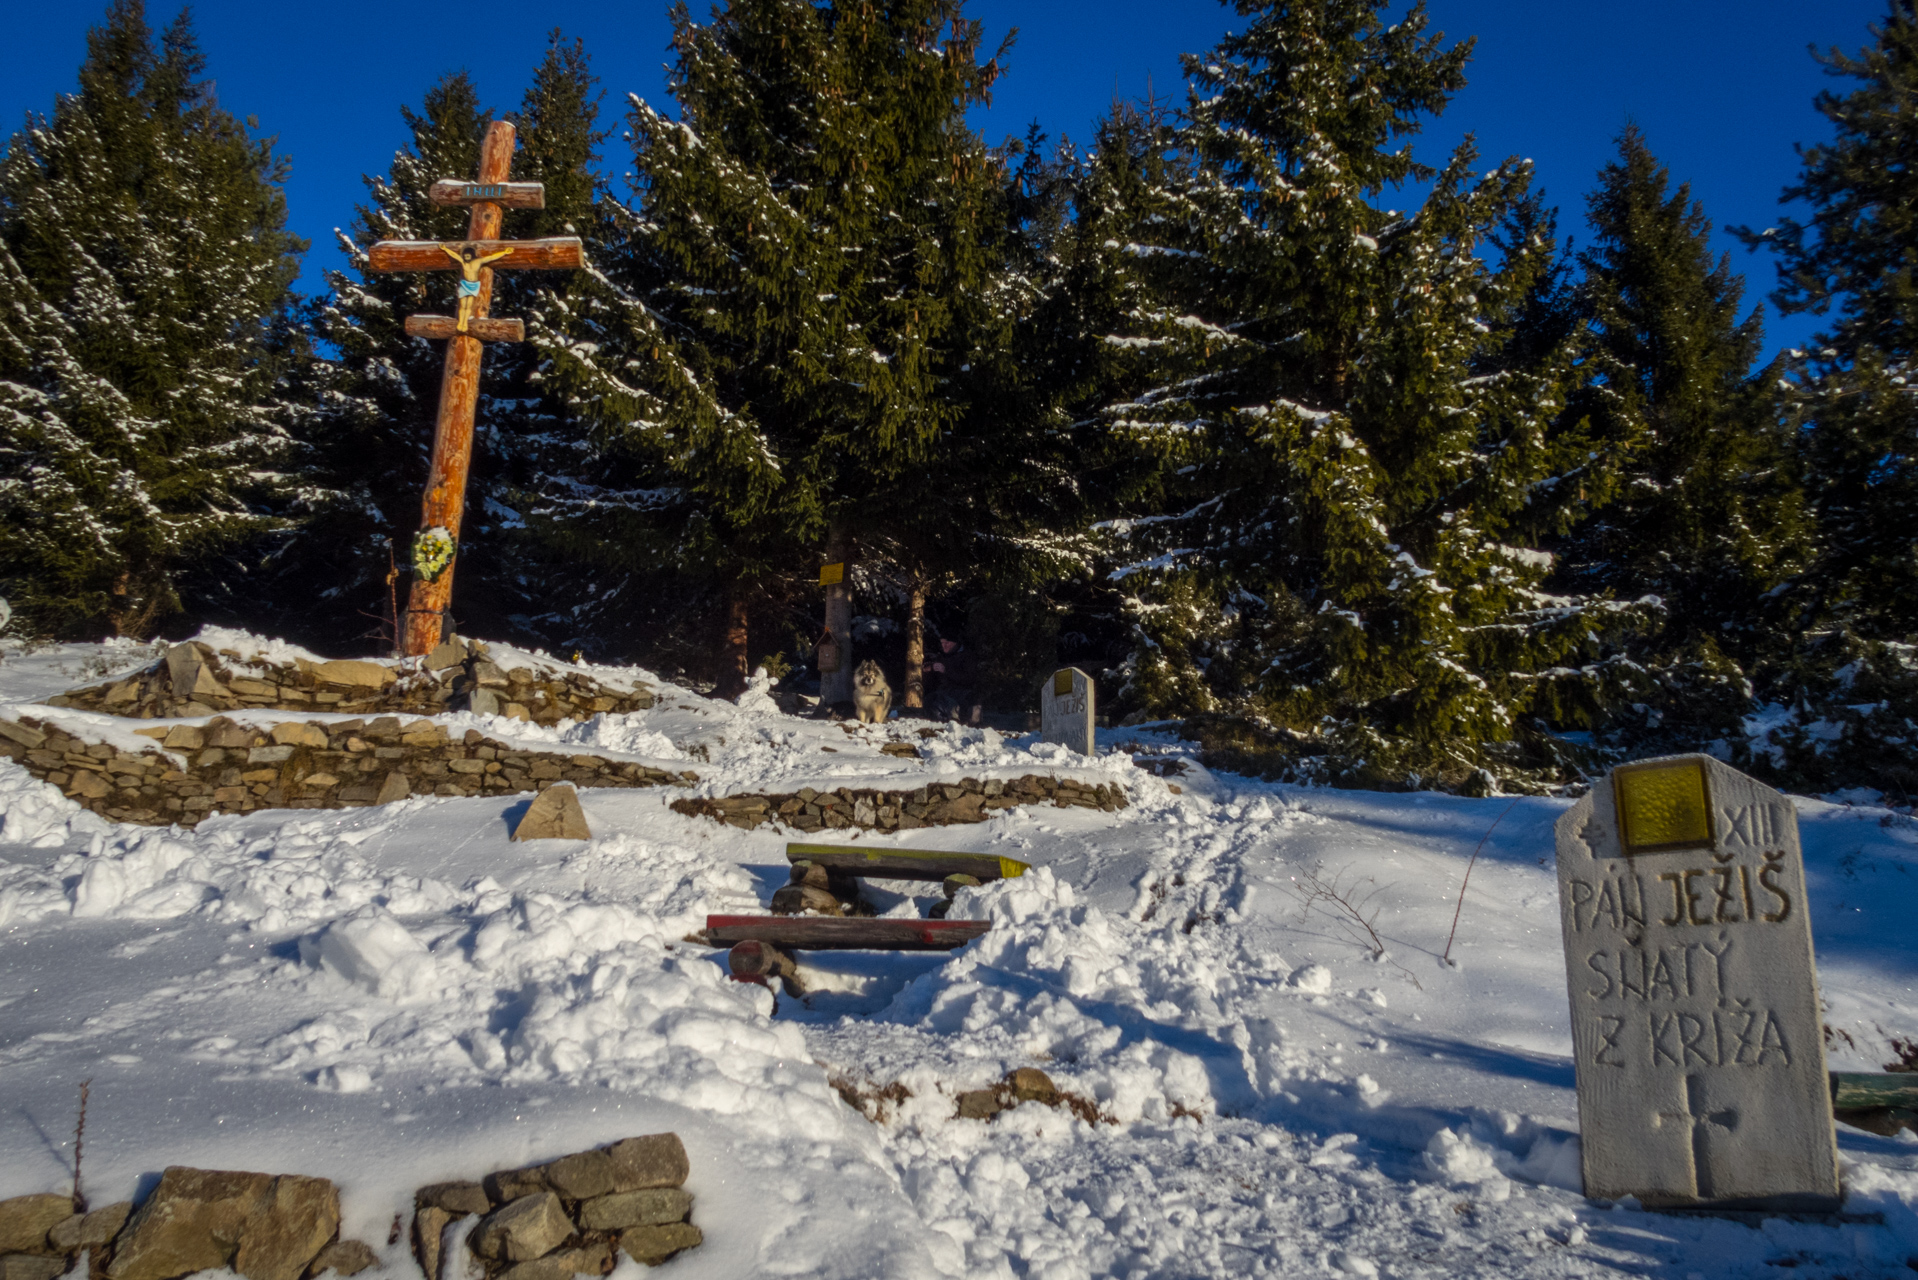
x: 475, y: 258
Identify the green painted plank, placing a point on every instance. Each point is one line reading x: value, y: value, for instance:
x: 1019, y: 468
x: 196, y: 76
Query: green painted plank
x: 1860, y: 1090
x: 905, y: 864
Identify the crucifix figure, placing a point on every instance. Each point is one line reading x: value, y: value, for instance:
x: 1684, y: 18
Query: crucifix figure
x: 471, y: 262
x: 1702, y: 1119
x: 475, y: 258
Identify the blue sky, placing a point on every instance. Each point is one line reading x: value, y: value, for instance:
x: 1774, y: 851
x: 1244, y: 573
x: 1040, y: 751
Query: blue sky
x: 1722, y: 90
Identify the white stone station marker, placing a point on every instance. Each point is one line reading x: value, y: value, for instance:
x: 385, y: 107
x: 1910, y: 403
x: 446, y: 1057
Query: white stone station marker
x: 1066, y: 710
x: 1695, y: 1014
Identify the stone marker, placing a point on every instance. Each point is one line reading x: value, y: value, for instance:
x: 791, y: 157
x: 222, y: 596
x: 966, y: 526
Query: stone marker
x: 1695, y: 1014
x: 554, y: 815
x: 1066, y: 710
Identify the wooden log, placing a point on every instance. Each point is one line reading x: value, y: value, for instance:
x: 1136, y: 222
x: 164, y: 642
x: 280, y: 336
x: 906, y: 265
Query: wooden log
x: 804, y: 899
x: 507, y: 195
x: 828, y: 933
x: 906, y: 864
x: 445, y: 501
x: 758, y: 960
x: 485, y: 328
x: 1863, y: 1090
x: 561, y: 253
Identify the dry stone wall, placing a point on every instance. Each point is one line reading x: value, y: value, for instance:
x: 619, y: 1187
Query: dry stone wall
x: 193, y: 680
x: 226, y: 767
x: 570, y: 1216
x: 936, y: 804
x: 261, y: 1225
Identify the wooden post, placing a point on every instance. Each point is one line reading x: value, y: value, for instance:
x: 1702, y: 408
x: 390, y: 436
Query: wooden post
x: 916, y: 644
x: 836, y: 686
x: 445, y: 501
x: 735, y: 662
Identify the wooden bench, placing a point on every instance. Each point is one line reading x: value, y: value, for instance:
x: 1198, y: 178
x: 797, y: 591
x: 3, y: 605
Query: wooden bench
x: 842, y: 933
x: 760, y: 948
x: 905, y: 864
x: 825, y: 876
x: 1876, y: 1102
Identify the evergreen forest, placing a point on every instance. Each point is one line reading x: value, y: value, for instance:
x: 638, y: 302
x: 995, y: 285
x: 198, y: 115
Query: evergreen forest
x: 1368, y: 466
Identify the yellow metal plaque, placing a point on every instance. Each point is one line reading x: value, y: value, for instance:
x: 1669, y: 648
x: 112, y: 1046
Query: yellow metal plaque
x: 1061, y: 683
x: 1011, y: 867
x: 1662, y: 806
x: 831, y: 575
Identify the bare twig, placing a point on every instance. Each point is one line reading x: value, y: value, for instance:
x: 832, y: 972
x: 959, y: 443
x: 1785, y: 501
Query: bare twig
x: 1346, y: 907
x: 79, y: 1137
x: 1340, y: 900
x: 1447, y: 957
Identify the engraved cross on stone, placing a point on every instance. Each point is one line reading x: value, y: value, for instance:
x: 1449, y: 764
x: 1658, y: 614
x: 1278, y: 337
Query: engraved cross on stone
x: 1702, y: 1120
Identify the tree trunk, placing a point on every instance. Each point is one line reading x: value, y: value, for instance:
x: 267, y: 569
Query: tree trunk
x: 916, y: 644
x: 734, y: 664
x: 836, y: 686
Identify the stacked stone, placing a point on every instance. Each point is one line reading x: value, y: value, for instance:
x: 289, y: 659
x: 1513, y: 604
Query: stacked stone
x: 566, y: 1217
x: 937, y: 804
x: 235, y: 768
x: 263, y: 1226
x: 194, y: 680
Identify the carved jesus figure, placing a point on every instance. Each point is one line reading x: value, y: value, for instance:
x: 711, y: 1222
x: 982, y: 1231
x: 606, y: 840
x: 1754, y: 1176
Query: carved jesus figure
x: 470, y: 260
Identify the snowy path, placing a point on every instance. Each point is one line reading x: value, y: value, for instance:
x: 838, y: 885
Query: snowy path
x: 395, y: 996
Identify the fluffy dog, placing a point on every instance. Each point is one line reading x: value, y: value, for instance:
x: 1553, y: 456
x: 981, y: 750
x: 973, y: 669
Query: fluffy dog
x: 871, y: 695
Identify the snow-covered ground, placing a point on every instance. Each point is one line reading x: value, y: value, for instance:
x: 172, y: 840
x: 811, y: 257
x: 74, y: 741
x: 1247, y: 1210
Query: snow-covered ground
x: 396, y: 996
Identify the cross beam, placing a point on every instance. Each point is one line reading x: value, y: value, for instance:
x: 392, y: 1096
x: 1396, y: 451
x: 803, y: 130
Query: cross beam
x: 475, y: 258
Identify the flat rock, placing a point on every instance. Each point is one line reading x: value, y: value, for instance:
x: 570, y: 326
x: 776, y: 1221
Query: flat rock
x: 454, y: 1197
x: 25, y: 1221
x: 635, y: 1209
x: 264, y: 1227
x: 394, y: 789
x: 30, y: 1266
x: 295, y: 734
x: 1029, y: 1084
x: 345, y: 1257
x: 450, y: 653
x: 583, y: 1175
x: 653, y: 1245
x: 429, y: 1226
x: 88, y: 1230
x: 353, y: 674
x: 554, y: 814
x: 529, y: 1227
x: 656, y: 1160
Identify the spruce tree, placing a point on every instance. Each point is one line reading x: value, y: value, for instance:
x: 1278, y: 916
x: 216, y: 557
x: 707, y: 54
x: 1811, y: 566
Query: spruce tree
x: 1849, y: 681
x: 145, y: 320
x: 1705, y: 518
x: 1352, y: 474
x: 806, y: 282
x: 1853, y: 260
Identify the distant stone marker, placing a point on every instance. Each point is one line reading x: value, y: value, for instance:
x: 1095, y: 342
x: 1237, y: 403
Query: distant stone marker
x: 554, y: 815
x: 1066, y: 710
x: 1695, y: 1015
